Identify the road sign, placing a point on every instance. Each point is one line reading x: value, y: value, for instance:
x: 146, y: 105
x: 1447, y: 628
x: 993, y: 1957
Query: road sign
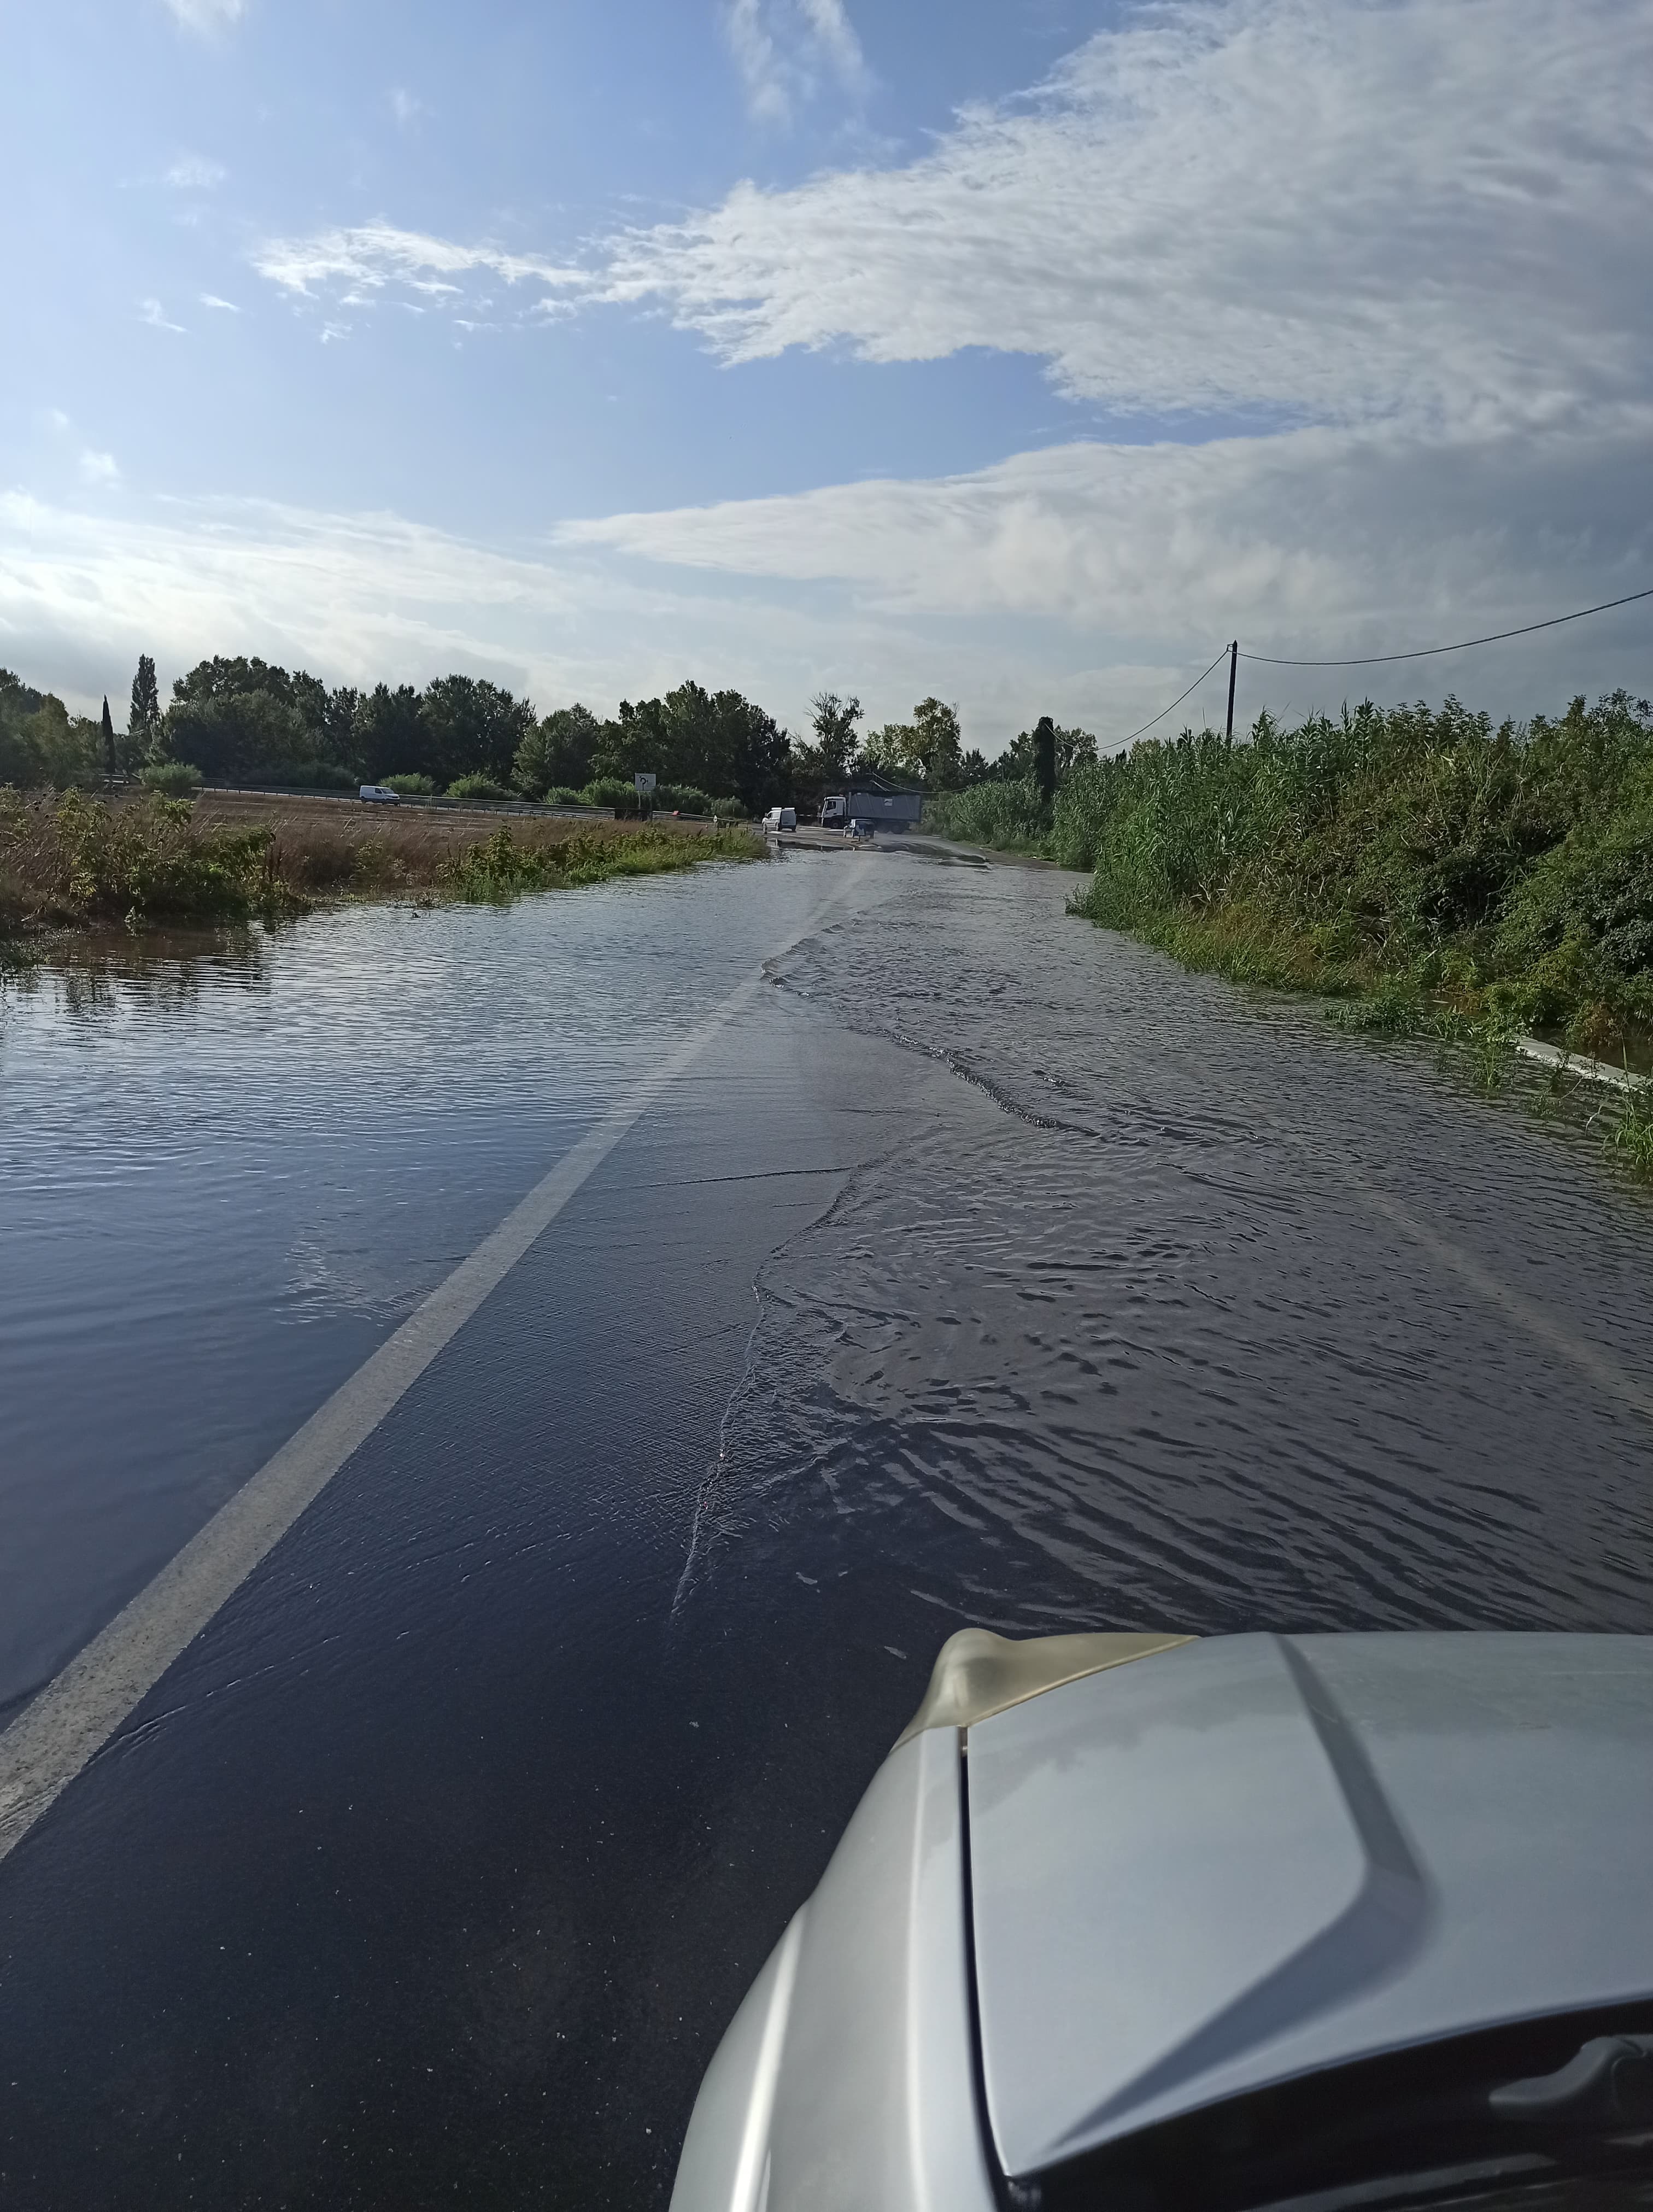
x: 644, y: 783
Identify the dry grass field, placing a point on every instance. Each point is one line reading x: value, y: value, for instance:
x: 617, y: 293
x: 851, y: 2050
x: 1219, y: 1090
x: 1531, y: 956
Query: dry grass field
x: 333, y: 844
x: 69, y: 860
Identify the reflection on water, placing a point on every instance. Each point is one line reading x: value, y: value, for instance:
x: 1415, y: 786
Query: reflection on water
x: 1142, y: 1337
x: 1133, y: 1331
x: 229, y: 1165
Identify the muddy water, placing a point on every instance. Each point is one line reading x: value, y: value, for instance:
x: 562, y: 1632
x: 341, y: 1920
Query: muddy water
x: 1208, y: 1317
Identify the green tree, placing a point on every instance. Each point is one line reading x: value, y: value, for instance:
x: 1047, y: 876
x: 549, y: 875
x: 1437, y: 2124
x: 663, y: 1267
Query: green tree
x: 471, y: 727
x: 388, y: 735
x: 833, y: 720
x: 42, y: 743
x: 19, y: 757
x: 929, y: 747
x: 1044, y: 758
x: 715, y: 742
x: 1075, y: 748
x: 144, y: 728
x: 558, y: 750
x: 239, y: 719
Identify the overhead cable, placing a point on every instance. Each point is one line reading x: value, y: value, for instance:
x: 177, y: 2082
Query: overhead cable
x: 1423, y: 653
x: 1175, y: 702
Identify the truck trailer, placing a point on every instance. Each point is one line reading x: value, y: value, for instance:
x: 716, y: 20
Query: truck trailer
x: 887, y: 809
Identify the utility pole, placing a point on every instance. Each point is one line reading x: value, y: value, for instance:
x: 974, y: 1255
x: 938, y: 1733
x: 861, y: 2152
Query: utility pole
x: 1233, y: 670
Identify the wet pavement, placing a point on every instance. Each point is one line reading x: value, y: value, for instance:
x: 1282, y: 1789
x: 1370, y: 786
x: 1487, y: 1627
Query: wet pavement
x: 985, y: 1268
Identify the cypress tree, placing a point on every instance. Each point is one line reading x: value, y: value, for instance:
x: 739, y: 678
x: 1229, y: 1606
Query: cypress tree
x: 144, y: 724
x: 1044, y: 758
x: 108, y: 743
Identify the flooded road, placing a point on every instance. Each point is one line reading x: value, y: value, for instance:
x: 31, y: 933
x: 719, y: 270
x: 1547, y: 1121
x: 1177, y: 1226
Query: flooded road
x: 985, y: 1267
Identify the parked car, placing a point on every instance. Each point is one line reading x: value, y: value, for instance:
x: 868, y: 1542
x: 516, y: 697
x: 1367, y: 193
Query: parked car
x: 379, y: 795
x: 781, y: 817
x: 1206, y: 1926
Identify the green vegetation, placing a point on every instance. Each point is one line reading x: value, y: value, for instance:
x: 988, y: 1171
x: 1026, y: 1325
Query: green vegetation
x: 41, y: 743
x: 409, y: 786
x: 70, y: 861
x: 1450, y: 874
x: 1631, y: 1139
x: 478, y: 786
x: 73, y: 862
x: 499, y: 868
x: 174, y: 778
x: 248, y: 722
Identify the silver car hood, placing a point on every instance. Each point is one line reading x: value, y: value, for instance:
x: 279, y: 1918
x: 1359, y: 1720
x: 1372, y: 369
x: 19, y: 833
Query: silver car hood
x: 1249, y: 1858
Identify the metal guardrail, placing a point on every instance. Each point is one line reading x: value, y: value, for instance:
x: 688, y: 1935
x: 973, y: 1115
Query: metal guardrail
x: 436, y: 802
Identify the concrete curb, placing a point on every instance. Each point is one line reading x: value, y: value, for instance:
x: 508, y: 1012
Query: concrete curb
x: 1580, y: 1064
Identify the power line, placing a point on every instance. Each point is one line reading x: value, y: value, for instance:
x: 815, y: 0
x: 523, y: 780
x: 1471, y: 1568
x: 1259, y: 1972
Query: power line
x: 1424, y: 651
x: 1175, y: 702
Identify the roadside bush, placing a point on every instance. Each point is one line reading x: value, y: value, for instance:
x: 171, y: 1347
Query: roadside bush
x: 478, y: 786
x: 411, y: 787
x: 1011, y: 817
x: 1418, y: 853
x: 314, y: 775
x: 681, y: 799
x: 172, y: 779
x: 75, y: 860
x: 609, y: 791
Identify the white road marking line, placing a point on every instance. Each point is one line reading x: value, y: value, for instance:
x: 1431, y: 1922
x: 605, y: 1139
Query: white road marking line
x: 1601, y: 1369
x: 80, y: 1708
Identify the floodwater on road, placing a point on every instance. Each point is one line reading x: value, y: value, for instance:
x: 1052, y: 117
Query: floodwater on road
x: 986, y: 1269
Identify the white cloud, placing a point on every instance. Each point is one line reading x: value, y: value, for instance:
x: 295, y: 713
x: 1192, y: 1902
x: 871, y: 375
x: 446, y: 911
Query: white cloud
x: 211, y: 300
x: 1318, y: 541
x: 407, y: 106
x: 194, y: 172
x: 156, y: 316
x: 98, y: 468
x: 1332, y: 208
x: 359, y: 598
x: 57, y: 420
x: 372, y: 256
x: 208, y: 16
x: 785, y: 49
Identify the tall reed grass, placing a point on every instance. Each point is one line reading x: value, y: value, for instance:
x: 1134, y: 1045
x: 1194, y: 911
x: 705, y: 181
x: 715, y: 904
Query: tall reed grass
x: 1505, y: 874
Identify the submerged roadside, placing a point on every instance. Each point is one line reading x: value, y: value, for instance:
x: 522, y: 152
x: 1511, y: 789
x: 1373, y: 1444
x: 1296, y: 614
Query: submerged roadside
x: 1436, y: 876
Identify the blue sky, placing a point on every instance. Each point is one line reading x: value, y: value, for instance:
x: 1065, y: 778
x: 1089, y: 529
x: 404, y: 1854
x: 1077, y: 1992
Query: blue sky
x: 1020, y: 353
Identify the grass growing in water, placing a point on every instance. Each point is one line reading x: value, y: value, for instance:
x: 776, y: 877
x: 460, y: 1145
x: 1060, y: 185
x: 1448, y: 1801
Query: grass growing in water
x: 73, y: 862
x: 500, y: 867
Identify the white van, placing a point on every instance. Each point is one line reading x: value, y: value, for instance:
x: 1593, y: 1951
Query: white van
x: 781, y: 817
x: 380, y: 794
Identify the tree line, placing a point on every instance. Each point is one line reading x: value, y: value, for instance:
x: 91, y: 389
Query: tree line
x: 247, y: 720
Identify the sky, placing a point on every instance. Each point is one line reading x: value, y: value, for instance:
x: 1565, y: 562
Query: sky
x: 1017, y: 352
